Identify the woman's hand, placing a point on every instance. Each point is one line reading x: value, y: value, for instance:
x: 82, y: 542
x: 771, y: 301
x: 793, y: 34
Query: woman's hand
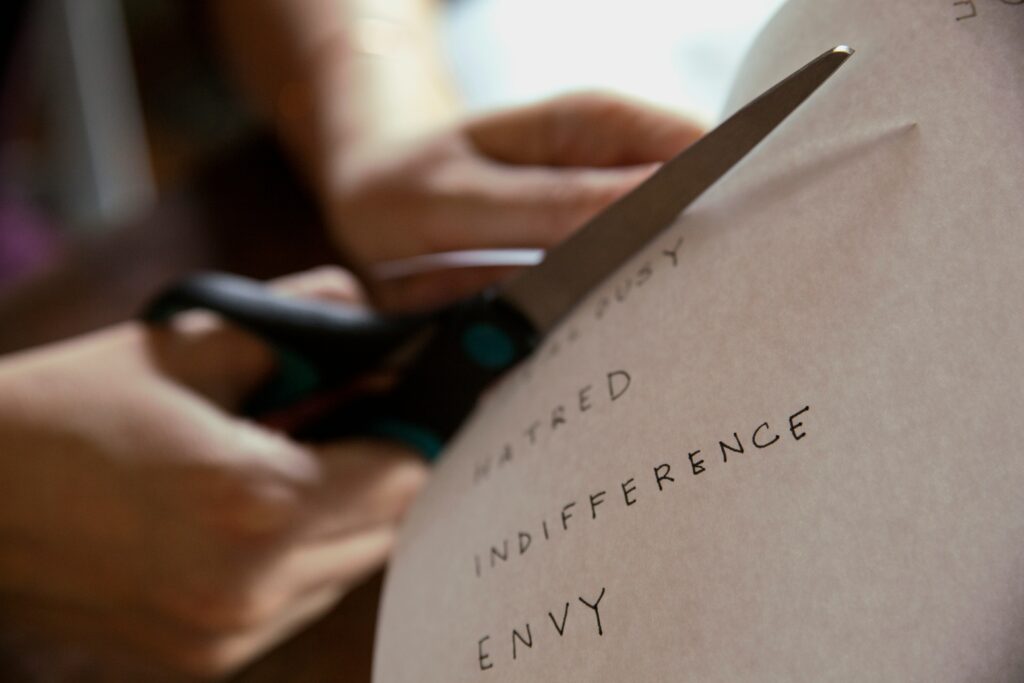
x: 524, y: 177
x: 360, y: 94
x: 144, y: 522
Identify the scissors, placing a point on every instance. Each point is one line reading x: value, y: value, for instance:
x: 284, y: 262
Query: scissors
x: 454, y: 354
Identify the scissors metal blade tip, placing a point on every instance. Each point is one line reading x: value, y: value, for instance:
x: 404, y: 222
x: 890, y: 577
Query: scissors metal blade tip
x: 546, y: 292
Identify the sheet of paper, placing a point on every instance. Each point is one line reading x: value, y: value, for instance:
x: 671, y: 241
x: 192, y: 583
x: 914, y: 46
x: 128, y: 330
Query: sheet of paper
x: 784, y: 443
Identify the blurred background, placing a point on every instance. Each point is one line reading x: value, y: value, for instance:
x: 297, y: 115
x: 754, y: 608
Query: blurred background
x: 681, y: 54
x: 128, y: 157
x: 110, y: 105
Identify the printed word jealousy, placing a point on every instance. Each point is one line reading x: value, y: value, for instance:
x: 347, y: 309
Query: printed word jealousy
x: 968, y: 9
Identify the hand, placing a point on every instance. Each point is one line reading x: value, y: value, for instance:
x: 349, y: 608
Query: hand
x: 145, y: 523
x: 525, y: 177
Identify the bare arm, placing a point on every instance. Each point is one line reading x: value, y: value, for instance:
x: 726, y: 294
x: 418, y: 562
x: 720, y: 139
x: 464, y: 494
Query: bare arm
x: 336, y: 75
x: 358, y: 91
x: 147, y: 529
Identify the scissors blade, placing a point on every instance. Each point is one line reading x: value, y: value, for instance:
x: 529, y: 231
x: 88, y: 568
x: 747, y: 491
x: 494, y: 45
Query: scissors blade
x: 546, y: 292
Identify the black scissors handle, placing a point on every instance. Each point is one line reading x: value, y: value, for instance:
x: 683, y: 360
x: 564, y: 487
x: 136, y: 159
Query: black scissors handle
x: 320, y: 345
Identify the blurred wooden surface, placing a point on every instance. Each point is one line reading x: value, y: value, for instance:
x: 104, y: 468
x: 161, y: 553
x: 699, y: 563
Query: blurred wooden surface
x: 337, y: 648
x: 245, y: 213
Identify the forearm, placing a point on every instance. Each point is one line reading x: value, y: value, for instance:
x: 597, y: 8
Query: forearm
x: 339, y: 75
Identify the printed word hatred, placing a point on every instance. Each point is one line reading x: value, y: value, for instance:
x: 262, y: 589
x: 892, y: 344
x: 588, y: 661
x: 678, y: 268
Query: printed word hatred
x: 614, y: 386
x: 665, y: 257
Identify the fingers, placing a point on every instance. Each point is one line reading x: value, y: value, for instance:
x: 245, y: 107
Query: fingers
x: 488, y: 206
x: 498, y: 206
x: 542, y: 206
x: 332, y: 565
x: 525, y: 177
x: 365, y: 484
x: 224, y: 362
x: 589, y: 129
x: 348, y: 533
x: 502, y: 206
x: 273, y: 542
x: 267, y: 579
x: 331, y: 283
x: 428, y: 291
x: 229, y: 654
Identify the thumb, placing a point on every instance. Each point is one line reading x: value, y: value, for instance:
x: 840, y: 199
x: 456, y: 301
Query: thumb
x: 542, y: 206
x: 222, y: 361
x: 587, y: 129
x: 214, y: 359
x: 364, y: 483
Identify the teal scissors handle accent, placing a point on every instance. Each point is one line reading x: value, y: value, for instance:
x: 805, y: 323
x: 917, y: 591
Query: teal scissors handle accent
x: 320, y: 345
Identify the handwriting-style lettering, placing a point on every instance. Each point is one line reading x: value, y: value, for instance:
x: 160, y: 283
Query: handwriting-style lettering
x: 628, y: 488
x: 696, y: 465
x: 565, y: 615
x: 726, y: 447
x: 524, y: 541
x: 566, y: 515
x: 661, y: 473
x: 765, y: 444
x: 674, y: 252
x: 597, y: 613
x: 793, y: 426
x: 484, y: 664
x: 527, y: 641
x: 618, y: 382
x: 502, y: 555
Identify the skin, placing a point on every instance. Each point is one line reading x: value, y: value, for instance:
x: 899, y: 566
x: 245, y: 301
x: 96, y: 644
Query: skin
x: 157, y: 531
x: 148, y: 525
x: 359, y: 93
